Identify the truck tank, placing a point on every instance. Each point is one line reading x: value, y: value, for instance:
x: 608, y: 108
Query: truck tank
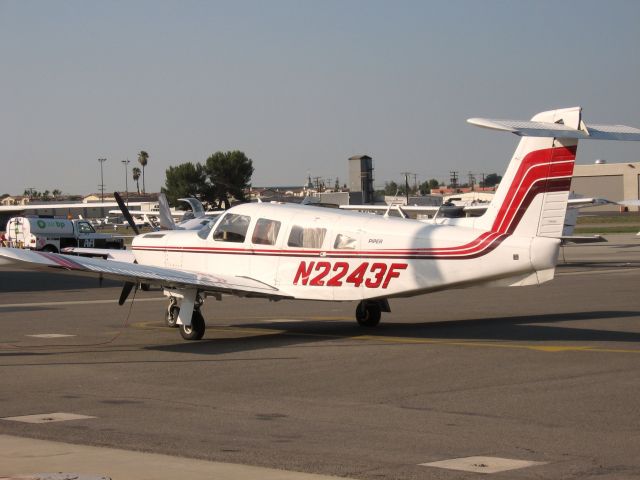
x: 43, y: 226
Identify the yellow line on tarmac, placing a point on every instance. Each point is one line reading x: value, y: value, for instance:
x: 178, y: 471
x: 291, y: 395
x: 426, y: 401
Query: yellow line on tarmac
x: 464, y: 343
x: 402, y: 340
x: 619, y: 271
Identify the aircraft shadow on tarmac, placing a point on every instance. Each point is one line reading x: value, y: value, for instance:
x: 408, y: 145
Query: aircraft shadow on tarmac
x: 16, y: 309
x: 251, y: 341
x: 530, y: 328
x: 33, y: 281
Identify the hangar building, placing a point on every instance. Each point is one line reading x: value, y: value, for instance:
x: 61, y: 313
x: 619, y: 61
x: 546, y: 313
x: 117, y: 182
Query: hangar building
x: 613, y: 181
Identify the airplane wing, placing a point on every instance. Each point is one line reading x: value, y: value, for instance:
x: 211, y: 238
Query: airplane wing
x: 135, y: 273
x: 383, y: 208
x: 629, y: 203
x: 401, y: 210
x: 579, y: 202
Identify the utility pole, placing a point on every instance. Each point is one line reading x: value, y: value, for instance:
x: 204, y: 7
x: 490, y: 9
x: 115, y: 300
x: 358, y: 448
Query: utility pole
x: 126, y: 176
x: 101, y: 160
x: 454, y: 179
x: 472, y: 180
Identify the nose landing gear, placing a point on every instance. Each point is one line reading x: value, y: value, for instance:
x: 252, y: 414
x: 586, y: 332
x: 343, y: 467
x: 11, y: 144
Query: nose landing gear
x: 171, y: 316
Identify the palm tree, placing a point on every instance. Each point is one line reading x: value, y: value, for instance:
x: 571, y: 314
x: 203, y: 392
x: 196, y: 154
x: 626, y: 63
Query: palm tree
x: 56, y: 193
x: 143, y: 159
x: 136, y: 176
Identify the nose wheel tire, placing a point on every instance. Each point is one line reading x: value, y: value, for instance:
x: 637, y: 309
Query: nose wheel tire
x: 171, y: 316
x: 195, y: 331
x: 368, y: 314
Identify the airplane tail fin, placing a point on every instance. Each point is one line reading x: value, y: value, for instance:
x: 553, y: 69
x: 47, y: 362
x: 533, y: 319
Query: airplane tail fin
x: 166, y: 220
x: 532, y: 197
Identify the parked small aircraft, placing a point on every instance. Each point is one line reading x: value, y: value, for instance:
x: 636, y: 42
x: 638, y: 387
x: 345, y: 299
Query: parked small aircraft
x: 449, y: 213
x: 196, y: 219
x: 280, y: 251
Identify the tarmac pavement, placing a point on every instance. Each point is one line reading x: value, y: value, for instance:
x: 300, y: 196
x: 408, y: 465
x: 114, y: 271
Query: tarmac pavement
x: 545, y: 375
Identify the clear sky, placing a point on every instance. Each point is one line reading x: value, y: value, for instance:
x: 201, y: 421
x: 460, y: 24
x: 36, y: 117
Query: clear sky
x: 300, y: 86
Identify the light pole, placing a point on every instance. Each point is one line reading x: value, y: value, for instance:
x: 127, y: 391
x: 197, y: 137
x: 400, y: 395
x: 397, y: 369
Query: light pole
x: 126, y: 183
x: 101, y: 160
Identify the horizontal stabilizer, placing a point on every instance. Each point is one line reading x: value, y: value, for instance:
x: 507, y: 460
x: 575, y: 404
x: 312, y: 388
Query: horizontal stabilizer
x: 525, y: 128
x: 582, y: 239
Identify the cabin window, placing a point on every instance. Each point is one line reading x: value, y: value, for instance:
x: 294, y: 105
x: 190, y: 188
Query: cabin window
x: 345, y: 242
x: 265, y: 232
x: 306, y: 237
x: 84, y: 227
x: 204, y: 231
x: 232, y: 228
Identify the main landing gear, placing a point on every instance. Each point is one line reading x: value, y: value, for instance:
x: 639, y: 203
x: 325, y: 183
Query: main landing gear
x: 369, y: 312
x: 195, y: 331
x: 192, y: 328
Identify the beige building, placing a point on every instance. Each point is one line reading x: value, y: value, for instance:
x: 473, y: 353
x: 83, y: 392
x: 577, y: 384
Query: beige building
x: 16, y: 200
x: 613, y: 181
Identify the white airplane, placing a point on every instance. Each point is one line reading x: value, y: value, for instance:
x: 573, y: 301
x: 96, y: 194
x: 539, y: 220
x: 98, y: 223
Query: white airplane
x: 140, y: 220
x: 448, y: 213
x: 196, y: 219
x: 301, y: 252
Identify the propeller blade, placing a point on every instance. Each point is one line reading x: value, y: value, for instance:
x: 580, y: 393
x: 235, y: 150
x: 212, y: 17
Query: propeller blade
x: 126, y: 290
x: 126, y: 213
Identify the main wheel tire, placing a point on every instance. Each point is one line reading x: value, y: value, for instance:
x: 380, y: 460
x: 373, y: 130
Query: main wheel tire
x: 195, y: 331
x: 171, y: 317
x: 368, y: 314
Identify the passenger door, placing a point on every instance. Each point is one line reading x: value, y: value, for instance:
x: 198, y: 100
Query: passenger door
x: 264, y: 243
x: 229, y: 250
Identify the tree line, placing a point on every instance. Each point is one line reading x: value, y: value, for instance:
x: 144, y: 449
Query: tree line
x: 224, y: 175
x: 393, y: 188
x: 34, y: 194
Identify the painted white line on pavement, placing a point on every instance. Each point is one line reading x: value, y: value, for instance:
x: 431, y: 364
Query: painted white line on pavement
x: 482, y: 464
x: 50, y: 335
x: 47, y: 417
x: 76, y: 302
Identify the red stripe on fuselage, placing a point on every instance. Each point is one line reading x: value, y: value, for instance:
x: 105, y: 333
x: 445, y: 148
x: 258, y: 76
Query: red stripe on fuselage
x: 541, y: 171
